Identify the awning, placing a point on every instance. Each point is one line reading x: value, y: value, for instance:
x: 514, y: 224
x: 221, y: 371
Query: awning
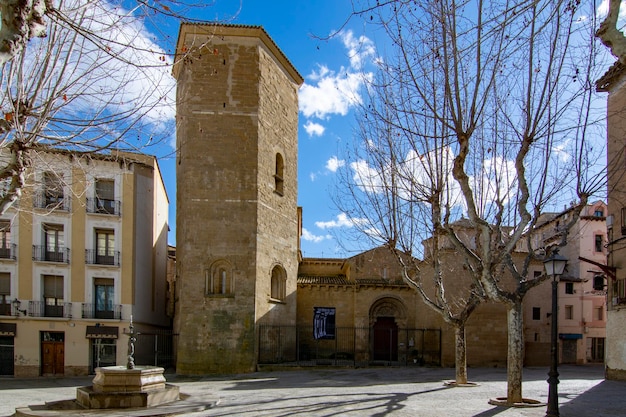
x: 570, y: 336
x: 102, y: 332
x: 8, y: 329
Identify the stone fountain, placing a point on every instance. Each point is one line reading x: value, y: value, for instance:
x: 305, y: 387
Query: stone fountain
x: 131, y: 390
x: 127, y: 386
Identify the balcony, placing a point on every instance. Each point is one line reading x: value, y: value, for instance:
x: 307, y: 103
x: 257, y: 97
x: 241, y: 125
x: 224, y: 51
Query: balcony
x: 91, y: 312
x: 60, y: 254
x: 9, y: 252
x: 93, y: 257
x: 41, y: 309
x: 47, y: 201
x: 103, y: 206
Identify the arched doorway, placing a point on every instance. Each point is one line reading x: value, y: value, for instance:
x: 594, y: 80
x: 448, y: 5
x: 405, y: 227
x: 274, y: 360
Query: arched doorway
x: 387, y: 315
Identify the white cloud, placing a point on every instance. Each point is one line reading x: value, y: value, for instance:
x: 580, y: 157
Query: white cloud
x: 334, y: 93
x: 314, y: 128
x: 313, y: 176
x: 494, y: 180
x: 342, y: 220
x: 310, y: 237
x: 327, y: 92
x: 128, y: 74
x: 359, y: 49
x: 333, y: 164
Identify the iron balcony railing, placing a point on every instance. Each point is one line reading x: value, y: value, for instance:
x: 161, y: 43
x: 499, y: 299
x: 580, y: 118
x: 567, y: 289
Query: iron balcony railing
x: 45, y: 200
x: 103, y: 206
x: 41, y: 309
x: 58, y: 254
x: 93, y: 257
x: 9, y: 252
x: 91, y: 312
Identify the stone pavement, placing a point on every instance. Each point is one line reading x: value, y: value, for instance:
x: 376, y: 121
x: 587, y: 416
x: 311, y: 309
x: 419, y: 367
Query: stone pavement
x: 358, y: 392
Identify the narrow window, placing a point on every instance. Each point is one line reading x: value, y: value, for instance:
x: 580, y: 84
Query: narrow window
x: 598, y: 243
x: 104, y: 291
x: 598, y: 282
x: 278, y: 283
x: 53, y: 190
x: 569, y: 288
x: 219, y: 279
x: 5, y: 294
x: 623, y: 212
x: 53, y: 295
x: 54, y: 238
x: 105, y: 196
x: 278, y: 175
x: 536, y: 313
x: 5, y: 239
x: 569, y: 312
x: 105, y: 247
x: 598, y: 314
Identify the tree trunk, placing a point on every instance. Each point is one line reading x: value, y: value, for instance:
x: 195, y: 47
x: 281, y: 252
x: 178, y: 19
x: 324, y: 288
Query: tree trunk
x: 515, y: 356
x: 460, y: 355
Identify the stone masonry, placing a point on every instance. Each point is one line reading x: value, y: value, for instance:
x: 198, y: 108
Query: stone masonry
x: 237, y: 223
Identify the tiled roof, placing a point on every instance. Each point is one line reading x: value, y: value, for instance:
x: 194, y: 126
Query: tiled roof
x: 334, y: 280
x: 342, y: 280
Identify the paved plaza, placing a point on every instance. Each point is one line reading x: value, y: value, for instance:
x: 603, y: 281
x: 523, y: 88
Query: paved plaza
x: 383, y: 391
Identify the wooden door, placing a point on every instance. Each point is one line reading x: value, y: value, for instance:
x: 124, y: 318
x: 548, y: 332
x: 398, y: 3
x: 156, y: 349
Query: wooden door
x: 52, y: 358
x: 385, y: 339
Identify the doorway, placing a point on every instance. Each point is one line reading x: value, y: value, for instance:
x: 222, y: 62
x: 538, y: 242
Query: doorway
x: 385, y: 339
x: 6, y: 355
x: 570, y: 350
x: 52, y: 353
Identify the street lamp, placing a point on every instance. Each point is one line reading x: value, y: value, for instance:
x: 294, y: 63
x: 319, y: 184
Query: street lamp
x: 554, y: 266
x: 16, y: 305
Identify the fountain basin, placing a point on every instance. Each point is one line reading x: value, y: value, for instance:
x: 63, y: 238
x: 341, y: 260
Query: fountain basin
x: 119, y: 387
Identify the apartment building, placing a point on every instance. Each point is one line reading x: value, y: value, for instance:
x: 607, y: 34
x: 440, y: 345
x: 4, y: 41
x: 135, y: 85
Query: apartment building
x: 82, y: 252
x: 581, y: 290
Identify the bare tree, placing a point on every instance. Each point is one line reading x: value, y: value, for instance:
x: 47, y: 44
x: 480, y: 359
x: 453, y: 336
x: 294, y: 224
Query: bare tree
x: 86, y: 75
x: 483, y: 110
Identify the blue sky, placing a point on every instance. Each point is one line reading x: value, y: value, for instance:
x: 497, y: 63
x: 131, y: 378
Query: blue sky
x: 332, y: 70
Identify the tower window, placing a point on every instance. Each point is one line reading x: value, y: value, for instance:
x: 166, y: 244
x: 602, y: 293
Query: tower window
x: 278, y: 175
x: 219, y: 279
x: 278, y: 283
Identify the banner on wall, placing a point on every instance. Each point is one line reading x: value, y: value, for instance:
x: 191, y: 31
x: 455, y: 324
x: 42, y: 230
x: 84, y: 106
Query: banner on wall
x: 324, y: 322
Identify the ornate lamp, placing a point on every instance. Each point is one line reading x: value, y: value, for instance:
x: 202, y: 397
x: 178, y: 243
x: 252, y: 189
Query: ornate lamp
x: 554, y: 266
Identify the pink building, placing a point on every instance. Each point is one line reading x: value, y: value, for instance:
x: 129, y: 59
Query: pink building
x: 581, y: 294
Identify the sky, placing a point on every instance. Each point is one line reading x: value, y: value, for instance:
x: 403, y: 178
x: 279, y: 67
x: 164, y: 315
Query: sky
x: 333, y: 52
x: 333, y: 71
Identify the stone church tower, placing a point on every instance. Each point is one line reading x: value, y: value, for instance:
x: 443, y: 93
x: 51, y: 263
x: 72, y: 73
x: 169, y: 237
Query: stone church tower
x: 237, y: 228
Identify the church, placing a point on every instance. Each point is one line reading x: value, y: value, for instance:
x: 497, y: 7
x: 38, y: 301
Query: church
x: 244, y: 294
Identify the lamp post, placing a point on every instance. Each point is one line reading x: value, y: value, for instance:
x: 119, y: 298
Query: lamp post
x: 554, y: 266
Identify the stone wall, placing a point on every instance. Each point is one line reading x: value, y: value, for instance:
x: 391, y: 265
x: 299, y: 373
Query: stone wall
x: 236, y: 109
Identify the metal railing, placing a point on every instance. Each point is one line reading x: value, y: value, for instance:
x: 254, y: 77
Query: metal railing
x: 350, y: 346
x: 9, y: 252
x: 60, y: 254
x: 45, y: 200
x: 41, y: 309
x: 93, y: 257
x: 103, y: 206
x: 89, y: 311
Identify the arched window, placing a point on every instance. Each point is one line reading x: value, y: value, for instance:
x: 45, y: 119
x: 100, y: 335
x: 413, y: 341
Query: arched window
x: 279, y: 277
x: 219, y: 279
x: 278, y: 175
